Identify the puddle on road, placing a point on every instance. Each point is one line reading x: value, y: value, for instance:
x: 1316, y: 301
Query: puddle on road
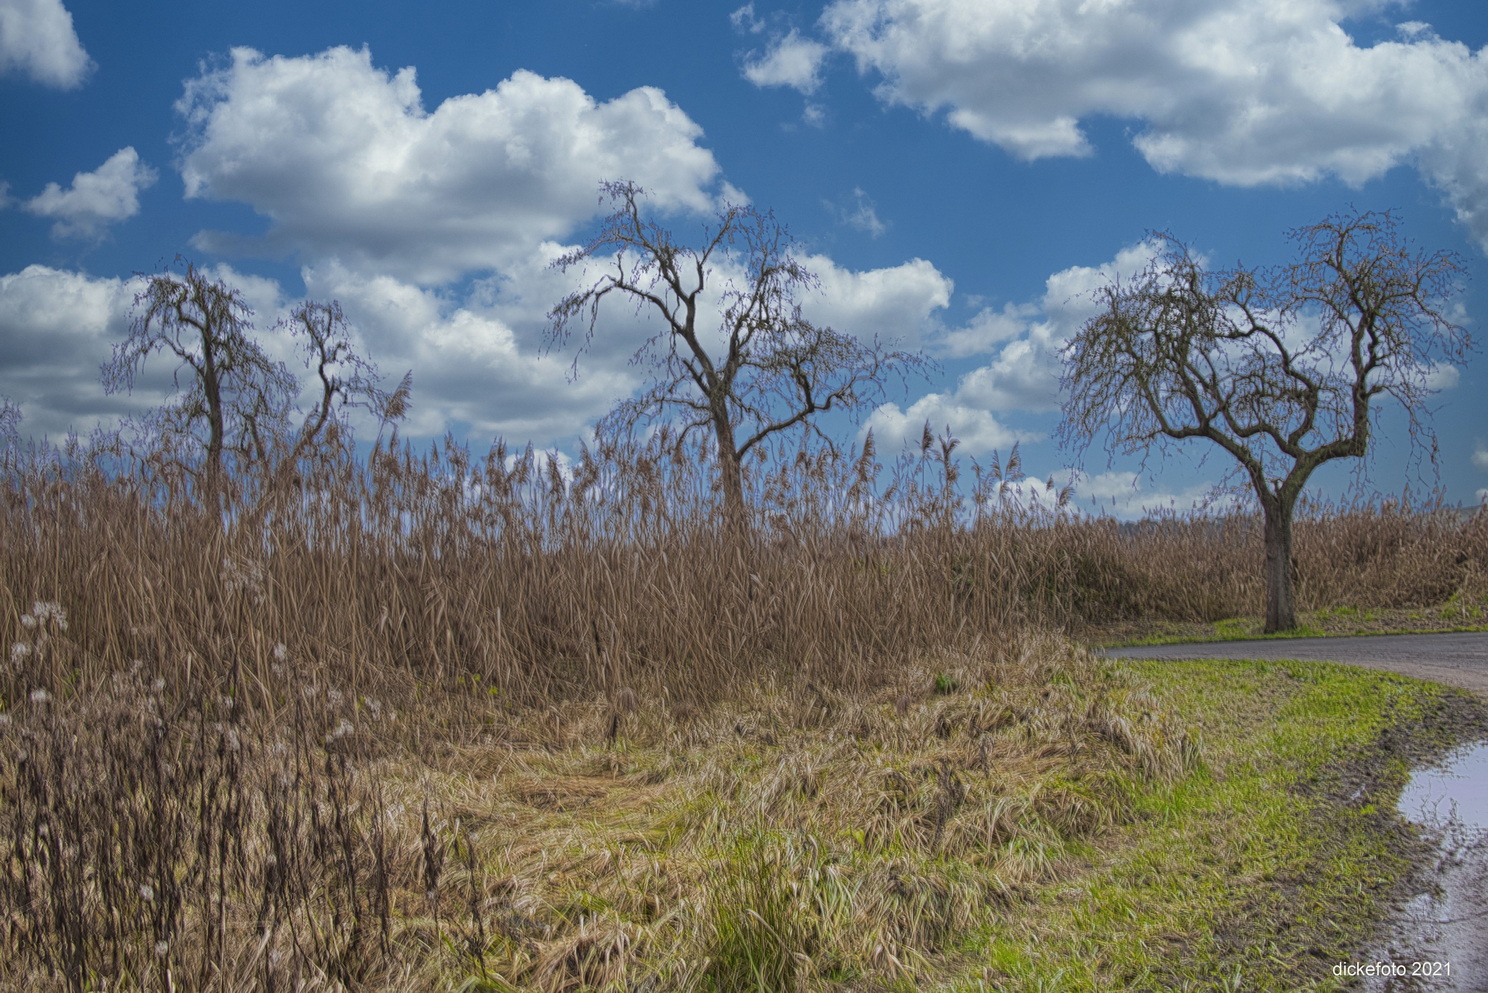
x: 1440, y: 939
x: 1459, y: 784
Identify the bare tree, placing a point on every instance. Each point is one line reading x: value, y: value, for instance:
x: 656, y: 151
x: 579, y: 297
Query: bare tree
x: 232, y: 386
x: 234, y: 404
x: 765, y: 369
x: 1279, y: 368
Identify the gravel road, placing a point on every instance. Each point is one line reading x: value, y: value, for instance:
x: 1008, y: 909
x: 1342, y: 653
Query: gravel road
x: 1454, y: 659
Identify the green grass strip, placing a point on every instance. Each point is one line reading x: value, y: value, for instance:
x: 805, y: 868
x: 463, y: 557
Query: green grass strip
x: 1263, y: 870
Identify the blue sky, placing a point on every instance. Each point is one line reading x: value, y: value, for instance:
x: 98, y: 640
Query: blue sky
x: 960, y: 173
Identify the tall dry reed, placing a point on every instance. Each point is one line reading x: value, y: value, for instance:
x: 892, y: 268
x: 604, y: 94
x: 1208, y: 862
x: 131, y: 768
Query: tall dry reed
x: 412, y: 574
x: 193, y: 705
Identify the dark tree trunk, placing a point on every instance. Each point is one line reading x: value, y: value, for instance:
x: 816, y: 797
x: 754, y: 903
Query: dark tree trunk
x: 730, y: 467
x: 216, y: 485
x: 1281, y: 599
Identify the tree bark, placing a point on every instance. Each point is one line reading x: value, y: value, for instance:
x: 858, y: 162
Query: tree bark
x: 1281, y: 599
x: 216, y: 480
x: 735, y: 516
x: 731, y: 470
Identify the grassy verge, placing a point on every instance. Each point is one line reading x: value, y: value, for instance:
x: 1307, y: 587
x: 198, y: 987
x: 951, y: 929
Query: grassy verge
x: 1023, y: 818
x: 1263, y: 869
x: 1457, y: 614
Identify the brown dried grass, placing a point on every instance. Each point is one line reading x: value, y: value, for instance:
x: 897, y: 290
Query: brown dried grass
x: 349, y: 738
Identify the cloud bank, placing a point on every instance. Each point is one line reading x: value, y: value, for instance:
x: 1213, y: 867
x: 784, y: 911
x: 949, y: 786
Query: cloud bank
x: 345, y: 161
x: 1242, y: 92
x: 434, y: 228
x: 56, y: 328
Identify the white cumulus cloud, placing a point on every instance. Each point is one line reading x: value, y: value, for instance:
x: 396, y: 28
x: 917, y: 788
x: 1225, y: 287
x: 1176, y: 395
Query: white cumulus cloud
x: 1456, y: 162
x: 346, y: 162
x: 1440, y: 376
x: 56, y: 329
x: 790, y: 61
x: 1122, y: 495
x: 895, y: 303
x: 478, y: 360
x: 977, y: 429
x: 1243, y: 92
x: 861, y: 213
x: 37, y: 40
x: 1117, y: 494
x: 1025, y: 339
x: 59, y: 327
x: 988, y: 328
x: 96, y: 199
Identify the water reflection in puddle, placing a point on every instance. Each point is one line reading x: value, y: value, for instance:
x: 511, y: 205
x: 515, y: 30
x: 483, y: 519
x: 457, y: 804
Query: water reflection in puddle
x: 1459, y: 784
x: 1447, y: 929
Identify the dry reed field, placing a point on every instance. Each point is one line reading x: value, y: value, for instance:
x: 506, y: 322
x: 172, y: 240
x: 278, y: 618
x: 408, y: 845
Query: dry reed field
x: 447, y: 721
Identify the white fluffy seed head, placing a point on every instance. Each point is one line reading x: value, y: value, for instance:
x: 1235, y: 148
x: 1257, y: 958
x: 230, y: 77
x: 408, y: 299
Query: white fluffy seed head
x: 44, y: 609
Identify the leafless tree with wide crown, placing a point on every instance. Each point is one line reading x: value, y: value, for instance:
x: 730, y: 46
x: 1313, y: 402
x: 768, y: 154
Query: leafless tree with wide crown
x: 1279, y: 368
x: 767, y: 370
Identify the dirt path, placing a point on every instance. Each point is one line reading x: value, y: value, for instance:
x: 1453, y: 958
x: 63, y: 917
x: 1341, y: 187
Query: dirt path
x: 1453, y: 659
